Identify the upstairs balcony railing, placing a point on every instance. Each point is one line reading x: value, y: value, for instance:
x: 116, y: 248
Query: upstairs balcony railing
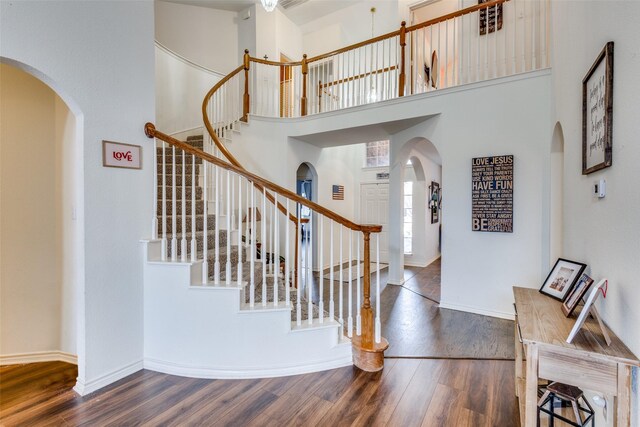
x: 489, y: 40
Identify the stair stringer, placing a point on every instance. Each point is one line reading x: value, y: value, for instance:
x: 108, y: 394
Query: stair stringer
x: 201, y: 331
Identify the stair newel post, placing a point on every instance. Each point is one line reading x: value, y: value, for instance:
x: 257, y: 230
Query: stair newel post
x: 194, y: 245
x: 174, y: 212
x: 403, y: 44
x: 245, y: 103
x: 298, y: 268
x: 305, y: 72
x: 164, y: 201
x: 275, y: 260
x: 263, y: 246
x: 368, y: 349
x: 366, y: 312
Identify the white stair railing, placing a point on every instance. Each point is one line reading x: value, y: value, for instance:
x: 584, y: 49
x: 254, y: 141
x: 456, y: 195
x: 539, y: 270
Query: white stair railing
x: 275, y: 237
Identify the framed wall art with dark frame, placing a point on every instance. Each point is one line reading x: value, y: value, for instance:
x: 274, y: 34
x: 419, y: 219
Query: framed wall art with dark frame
x: 576, y: 295
x: 563, y: 276
x: 597, y: 113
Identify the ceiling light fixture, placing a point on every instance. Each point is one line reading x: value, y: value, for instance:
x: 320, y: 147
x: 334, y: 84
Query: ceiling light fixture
x: 269, y: 5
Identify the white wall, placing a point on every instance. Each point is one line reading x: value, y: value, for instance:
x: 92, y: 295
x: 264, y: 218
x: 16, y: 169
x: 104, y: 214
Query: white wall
x: 30, y: 270
x: 206, y: 36
x: 99, y: 56
x: 180, y: 89
x: 349, y: 25
x: 603, y: 233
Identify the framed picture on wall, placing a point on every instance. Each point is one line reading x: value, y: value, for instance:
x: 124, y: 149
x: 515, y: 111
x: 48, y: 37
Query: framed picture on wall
x: 561, y: 279
x: 597, y: 113
x: 579, y: 291
x: 434, y: 201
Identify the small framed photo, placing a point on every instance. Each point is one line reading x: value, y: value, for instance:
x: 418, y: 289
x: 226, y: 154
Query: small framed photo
x: 579, y: 291
x: 561, y: 279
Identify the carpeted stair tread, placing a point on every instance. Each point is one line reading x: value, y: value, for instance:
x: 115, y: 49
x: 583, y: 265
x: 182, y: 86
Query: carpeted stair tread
x: 199, y: 207
x: 211, y: 223
x: 188, y: 191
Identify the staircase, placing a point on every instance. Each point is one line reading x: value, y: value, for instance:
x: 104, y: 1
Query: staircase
x: 213, y: 308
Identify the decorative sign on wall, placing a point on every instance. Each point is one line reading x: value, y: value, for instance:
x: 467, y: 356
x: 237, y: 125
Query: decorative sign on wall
x: 337, y: 192
x: 434, y: 201
x: 382, y: 175
x: 494, y: 16
x: 597, y: 113
x: 492, y: 194
x: 119, y: 155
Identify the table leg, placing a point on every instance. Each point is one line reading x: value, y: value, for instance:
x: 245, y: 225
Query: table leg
x: 531, y: 387
x: 623, y: 408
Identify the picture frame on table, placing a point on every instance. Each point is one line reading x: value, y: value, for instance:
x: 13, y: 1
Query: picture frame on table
x: 597, y: 113
x: 562, y: 278
x: 575, y: 296
x: 590, y: 308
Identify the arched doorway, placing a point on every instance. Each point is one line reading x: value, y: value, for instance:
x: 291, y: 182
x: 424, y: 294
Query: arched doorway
x: 41, y: 232
x: 415, y: 175
x: 307, y: 187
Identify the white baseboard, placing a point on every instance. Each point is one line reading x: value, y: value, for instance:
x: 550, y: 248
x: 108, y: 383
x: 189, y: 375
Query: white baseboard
x: 84, y: 388
x: 476, y: 310
x: 38, y: 356
x: 234, y: 373
x: 395, y: 282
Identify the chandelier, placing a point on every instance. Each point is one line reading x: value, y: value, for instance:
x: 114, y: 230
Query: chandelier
x: 269, y: 5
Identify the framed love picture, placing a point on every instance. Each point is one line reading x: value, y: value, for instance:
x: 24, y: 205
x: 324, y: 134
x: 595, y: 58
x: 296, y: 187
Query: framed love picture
x: 562, y: 278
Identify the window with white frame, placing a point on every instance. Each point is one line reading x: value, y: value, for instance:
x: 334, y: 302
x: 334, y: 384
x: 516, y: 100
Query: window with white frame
x: 408, y: 217
x: 377, y: 154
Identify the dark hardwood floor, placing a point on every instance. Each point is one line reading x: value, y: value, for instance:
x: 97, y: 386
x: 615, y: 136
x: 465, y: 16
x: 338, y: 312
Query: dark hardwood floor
x: 408, y: 392
x: 430, y: 379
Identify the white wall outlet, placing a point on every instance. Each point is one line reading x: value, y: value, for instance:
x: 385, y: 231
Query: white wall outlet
x: 600, y: 188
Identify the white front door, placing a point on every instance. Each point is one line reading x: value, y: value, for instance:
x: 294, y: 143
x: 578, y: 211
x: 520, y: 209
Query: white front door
x: 374, y: 209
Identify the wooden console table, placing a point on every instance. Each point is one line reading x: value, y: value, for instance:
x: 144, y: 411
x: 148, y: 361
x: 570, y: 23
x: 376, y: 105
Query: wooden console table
x: 541, y: 330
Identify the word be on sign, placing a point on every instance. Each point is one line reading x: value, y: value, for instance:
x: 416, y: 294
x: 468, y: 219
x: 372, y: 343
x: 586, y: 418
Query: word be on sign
x: 119, y: 155
x: 492, y: 194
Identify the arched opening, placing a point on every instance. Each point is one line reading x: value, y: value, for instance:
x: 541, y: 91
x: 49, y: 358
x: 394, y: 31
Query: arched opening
x: 41, y: 231
x: 307, y: 187
x: 416, y: 168
x: 556, y: 193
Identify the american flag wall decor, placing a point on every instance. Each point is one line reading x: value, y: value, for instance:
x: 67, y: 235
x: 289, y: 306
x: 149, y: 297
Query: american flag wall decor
x: 338, y: 192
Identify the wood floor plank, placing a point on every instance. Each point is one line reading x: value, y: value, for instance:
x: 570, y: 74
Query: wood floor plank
x: 413, y: 404
x: 384, y: 401
x: 442, y: 408
x: 311, y: 413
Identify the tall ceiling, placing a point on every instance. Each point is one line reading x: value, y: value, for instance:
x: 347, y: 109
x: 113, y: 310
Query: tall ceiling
x: 300, y: 13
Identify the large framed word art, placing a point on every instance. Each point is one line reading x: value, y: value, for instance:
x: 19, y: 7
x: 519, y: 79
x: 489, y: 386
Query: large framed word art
x: 492, y: 194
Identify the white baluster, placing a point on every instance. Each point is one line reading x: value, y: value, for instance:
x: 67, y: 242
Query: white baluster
x: 174, y: 212
x: 194, y: 245
x: 216, y: 243
x: 163, y: 206
x: 533, y: 36
x: 183, y: 241
x: 239, y: 276
x: 252, y: 246
x: 287, y: 261
x: 299, y: 269
x: 350, y: 299
x: 154, y: 220
x: 205, y: 232
x: 228, y: 263
x: 524, y: 37
x: 378, y: 328
x: 276, y: 250
x: 340, y: 288
x: 446, y: 54
x: 331, y: 304
x: 321, y: 268
x: 358, y: 288
x: 263, y: 247
x: 309, y: 271
x: 272, y: 218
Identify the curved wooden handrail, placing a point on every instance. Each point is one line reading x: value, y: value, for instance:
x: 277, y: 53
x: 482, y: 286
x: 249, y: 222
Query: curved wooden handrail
x: 151, y: 131
x: 275, y: 63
